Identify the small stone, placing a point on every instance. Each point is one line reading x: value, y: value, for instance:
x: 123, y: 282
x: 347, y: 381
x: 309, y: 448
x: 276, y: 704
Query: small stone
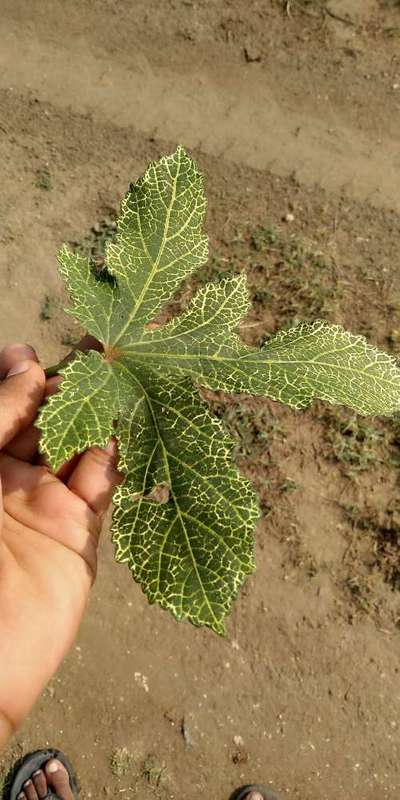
x: 187, y: 735
x: 251, y: 55
x: 142, y: 681
x: 238, y: 741
x: 289, y: 217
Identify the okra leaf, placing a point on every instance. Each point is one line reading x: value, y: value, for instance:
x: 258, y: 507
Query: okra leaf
x: 183, y: 518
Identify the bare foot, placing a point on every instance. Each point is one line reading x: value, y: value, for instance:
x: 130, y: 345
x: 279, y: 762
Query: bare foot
x: 54, y: 777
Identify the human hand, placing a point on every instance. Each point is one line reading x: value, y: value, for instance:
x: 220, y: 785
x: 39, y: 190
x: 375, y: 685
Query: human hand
x: 49, y: 532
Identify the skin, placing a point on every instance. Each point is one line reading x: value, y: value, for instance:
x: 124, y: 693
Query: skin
x: 49, y: 532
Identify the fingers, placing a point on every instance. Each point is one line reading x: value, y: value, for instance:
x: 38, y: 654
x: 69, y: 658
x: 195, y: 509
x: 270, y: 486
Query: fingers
x: 95, y: 477
x: 21, y: 391
x: 66, y: 469
x: 24, y: 446
x: 91, y: 476
x: 14, y: 353
x: 37, y: 499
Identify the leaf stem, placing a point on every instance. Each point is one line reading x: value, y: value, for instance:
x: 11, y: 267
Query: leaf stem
x: 55, y: 368
x: 86, y: 343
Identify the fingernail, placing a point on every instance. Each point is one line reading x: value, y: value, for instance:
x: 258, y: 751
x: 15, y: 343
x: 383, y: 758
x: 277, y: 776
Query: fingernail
x: 53, y: 766
x: 19, y: 368
x: 23, y: 350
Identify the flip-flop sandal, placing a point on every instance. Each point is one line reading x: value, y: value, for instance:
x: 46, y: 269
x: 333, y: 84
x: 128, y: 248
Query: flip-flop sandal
x: 25, y: 767
x: 265, y: 792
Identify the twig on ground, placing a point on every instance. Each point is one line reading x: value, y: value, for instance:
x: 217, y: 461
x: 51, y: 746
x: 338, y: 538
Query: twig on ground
x: 324, y: 10
x: 337, y: 17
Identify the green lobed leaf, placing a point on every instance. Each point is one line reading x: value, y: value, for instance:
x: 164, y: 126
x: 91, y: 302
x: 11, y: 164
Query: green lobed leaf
x: 312, y: 360
x: 94, y: 302
x: 183, y: 517
x: 192, y: 547
x: 82, y: 414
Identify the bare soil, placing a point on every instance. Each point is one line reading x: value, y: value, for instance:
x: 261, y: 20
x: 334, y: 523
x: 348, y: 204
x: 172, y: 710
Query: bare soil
x: 289, y: 108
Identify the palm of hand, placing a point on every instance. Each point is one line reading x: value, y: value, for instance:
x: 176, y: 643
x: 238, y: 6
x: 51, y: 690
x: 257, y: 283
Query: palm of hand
x: 49, y: 533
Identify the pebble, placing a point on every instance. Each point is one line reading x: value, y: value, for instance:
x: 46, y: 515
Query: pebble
x: 251, y: 54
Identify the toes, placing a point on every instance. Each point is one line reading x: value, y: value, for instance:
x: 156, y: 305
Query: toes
x: 40, y: 783
x: 58, y: 779
x: 30, y: 791
x: 21, y: 796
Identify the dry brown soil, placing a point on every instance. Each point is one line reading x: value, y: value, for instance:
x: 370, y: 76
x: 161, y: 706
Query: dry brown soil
x: 289, y: 108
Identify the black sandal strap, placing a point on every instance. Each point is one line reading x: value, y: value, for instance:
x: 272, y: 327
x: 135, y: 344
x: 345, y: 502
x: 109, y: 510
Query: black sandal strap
x: 265, y: 791
x: 25, y: 767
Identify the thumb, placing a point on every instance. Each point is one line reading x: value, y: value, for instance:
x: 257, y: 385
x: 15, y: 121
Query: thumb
x: 21, y: 394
